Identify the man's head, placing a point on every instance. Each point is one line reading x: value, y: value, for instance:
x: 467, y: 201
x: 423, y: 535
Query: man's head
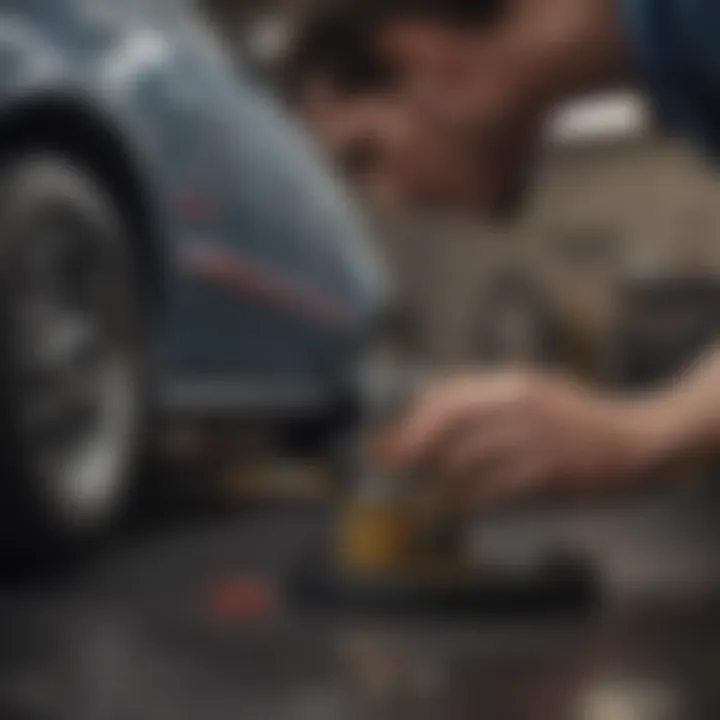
x: 419, y: 100
x: 441, y: 102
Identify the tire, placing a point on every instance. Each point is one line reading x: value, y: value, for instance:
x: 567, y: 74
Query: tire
x: 72, y: 358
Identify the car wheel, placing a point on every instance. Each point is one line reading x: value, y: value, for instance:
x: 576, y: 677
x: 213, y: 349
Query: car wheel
x: 72, y: 345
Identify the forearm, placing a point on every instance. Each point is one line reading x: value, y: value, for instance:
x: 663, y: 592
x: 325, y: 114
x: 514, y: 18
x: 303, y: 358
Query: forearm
x: 683, y: 421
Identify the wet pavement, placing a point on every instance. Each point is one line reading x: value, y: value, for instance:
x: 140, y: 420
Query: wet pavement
x: 184, y: 622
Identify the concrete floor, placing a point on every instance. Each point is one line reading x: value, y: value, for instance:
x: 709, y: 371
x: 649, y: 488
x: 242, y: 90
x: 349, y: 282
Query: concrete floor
x: 150, y: 629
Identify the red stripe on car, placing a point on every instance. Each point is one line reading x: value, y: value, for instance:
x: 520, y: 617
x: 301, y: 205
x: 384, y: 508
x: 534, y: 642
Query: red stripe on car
x: 237, y: 275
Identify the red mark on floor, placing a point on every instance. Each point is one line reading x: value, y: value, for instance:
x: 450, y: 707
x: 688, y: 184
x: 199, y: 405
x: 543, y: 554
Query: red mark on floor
x: 241, y: 599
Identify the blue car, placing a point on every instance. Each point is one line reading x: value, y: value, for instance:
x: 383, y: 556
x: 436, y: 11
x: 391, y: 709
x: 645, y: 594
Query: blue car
x: 171, y: 243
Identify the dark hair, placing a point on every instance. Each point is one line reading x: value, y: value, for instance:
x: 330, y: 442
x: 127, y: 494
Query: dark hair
x: 451, y: 12
x: 337, y: 41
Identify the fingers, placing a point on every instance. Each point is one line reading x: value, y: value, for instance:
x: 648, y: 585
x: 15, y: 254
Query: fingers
x: 488, y: 440
x: 446, y: 411
x: 474, y: 457
x: 496, y: 467
x: 520, y: 479
x: 495, y: 439
x: 436, y: 414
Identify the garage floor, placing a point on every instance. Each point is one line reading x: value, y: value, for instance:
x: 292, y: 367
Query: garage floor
x: 181, y: 622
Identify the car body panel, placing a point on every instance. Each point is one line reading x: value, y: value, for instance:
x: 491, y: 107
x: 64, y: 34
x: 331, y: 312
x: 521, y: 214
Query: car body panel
x: 268, y: 272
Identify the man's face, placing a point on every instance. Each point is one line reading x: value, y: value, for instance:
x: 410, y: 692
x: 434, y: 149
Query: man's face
x: 391, y: 149
x: 451, y: 134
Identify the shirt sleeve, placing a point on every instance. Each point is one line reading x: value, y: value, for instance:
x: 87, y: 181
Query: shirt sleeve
x: 676, y: 44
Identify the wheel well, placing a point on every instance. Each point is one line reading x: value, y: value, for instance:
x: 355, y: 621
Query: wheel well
x: 63, y: 127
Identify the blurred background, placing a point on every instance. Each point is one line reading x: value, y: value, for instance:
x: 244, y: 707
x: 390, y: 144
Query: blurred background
x: 612, y: 274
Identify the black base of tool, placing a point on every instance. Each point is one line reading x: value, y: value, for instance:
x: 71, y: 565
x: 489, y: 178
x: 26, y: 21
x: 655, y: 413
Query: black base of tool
x: 563, y: 590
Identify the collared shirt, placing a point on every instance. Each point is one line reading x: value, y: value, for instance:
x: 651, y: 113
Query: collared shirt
x: 677, y: 48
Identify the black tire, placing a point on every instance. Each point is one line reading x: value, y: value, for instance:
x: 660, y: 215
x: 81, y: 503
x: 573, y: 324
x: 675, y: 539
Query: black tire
x: 72, y: 358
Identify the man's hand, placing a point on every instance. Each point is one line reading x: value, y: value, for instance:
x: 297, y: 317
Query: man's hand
x: 499, y: 438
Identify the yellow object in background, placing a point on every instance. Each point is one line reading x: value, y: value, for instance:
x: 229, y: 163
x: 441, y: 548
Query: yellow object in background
x: 409, y: 537
x: 374, y: 537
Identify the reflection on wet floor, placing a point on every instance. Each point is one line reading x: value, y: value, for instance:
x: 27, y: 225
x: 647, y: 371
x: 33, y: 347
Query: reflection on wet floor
x: 132, y: 636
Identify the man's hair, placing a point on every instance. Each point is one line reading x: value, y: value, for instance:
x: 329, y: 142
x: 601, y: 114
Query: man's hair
x: 337, y: 40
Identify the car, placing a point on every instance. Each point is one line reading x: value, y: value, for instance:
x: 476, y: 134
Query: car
x: 172, y: 243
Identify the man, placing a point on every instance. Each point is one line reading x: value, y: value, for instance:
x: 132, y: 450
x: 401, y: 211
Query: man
x: 442, y: 102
